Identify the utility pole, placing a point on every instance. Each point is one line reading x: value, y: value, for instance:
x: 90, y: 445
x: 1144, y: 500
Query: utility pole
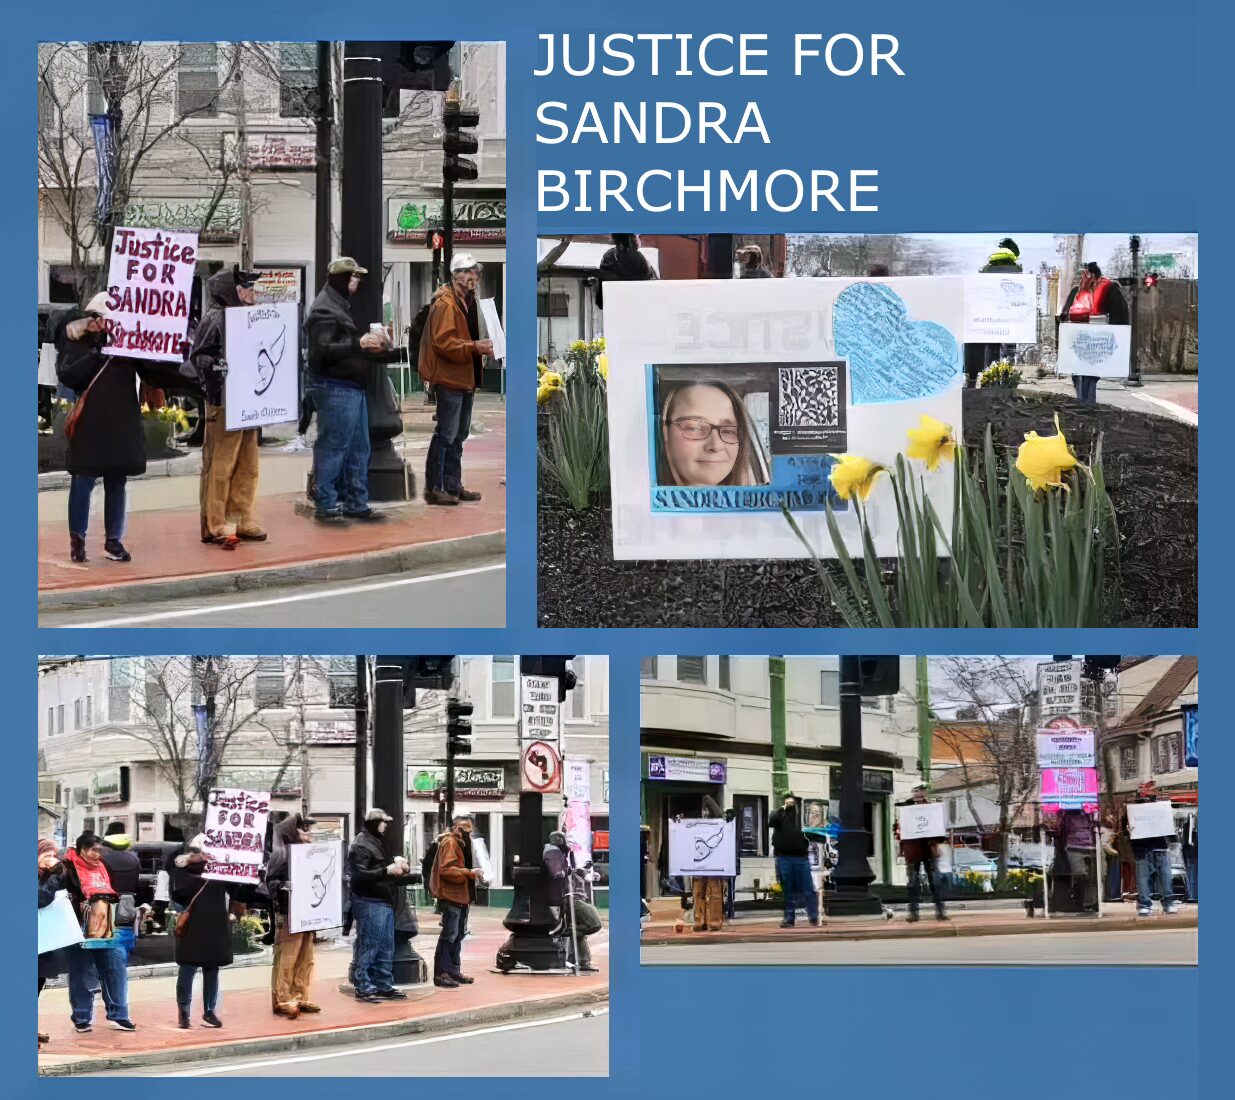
x: 926, y: 724
x: 243, y: 172
x: 780, y: 751
x: 324, y: 159
x: 360, y: 785
x: 1134, y: 373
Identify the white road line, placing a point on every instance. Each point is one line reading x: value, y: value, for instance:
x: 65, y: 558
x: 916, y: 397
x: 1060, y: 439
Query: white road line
x: 310, y: 595
x: 373, y: 1049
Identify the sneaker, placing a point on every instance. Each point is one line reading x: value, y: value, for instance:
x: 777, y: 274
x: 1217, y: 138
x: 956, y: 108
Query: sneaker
x: 252, y: 534
x: 369, y: 515
x: 331, y: 519
x: 369, y: 998
x: 115, y: 551
x: 467, y: 494
x: 942, y: 916
x: 786, y: 924
x: 814, y: 922
x: 122, y: 1025
x: 463, y: 979
x: 446, y: 982
x: 310, y: 1007
x: 586, y: 968
x: 82, y: 1029
x: 1170, y: 910
x: 211, y: 1020
x: 391, y: 995
x: 436, y: 496
x: 77, y: 548
x: 1142, y: 912
x: 913, y: 918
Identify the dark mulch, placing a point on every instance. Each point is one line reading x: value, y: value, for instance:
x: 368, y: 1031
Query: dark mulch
x: 1151, y: 471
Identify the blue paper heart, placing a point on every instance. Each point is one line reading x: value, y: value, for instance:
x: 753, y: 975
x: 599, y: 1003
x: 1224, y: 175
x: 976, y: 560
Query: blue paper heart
x: 891, y: 358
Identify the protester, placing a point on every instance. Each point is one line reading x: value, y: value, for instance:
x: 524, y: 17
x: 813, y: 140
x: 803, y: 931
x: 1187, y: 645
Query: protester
x: 1188, y: 828
x: 52, y: 880
x: 451, y: 354
x: 91, y: 889
x: 1108, y: 837
x: 340, y: 363
x: 1096, y: 299
x: 731, y: 884
x: 920, y: 858
x: 124, y: 870
x: 1073, y: 872
x: 623, y: 263
x: 203, y: 932
x: 107, y: 440
x: 228, y: 493
x: 375, y: 883
x: 291, y: 975
x: 578, y: 918
x: 708, y: 892
x: 1004, y: 260
x: 453, y: 883
x: 750, y: 257
x: 1153, y: 863
x: 792, y: 863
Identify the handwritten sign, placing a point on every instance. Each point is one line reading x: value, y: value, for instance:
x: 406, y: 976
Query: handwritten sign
x: 1069, y: 789
x: 1150, y: 819
x: 1065, y: 748
x: 1101, y: 351
x: 235, y: 834
x: 541, y: 719
x: 1059, y: 688
x: 493, y: 327
x: 922, y: 821
x: 1001, y: 309
x: 150, y: 275
x: 278, y: 284
x: 262, y: 344
x: 702, y: 846
x: 316, y: 877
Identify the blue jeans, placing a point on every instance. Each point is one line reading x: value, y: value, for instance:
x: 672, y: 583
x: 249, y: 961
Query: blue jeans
x: 795, y: 881
x: 1192, y: 871
x: 1086, y: 386
x: 210, y: 987
x: 1114, y: 879
x: 106, y: 965
x: 731, y: 890
x: 447, y: 959
x: 80, y: 490
x: 444, y: 466
x: 1151, y: 865
x: 375, y: 945
x: 341, y: 452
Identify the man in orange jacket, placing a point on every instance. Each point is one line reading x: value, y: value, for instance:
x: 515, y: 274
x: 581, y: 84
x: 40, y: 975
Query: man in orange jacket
x: 451, y: 354
x: 453, y: 883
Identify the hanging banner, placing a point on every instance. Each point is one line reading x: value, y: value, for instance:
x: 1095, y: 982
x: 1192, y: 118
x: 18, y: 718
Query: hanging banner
x: 1069, y: 789
x: 702, y: 846
x: 235, y: 834
x: 1065, y: 748
x: 541, y: 717
x: 262, y: 346
x: 577, y: 816
x: 1101, y: 351
x: 316, y: 878
x: 103, y: 127
x: 1001, y: 309
x: 1150, y: 819
x: 149, y: 278
x: 1192, y: 735
x: 922, y: 821
x: 1059, y: 688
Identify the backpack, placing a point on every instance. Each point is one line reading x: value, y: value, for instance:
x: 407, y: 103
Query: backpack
x: 414, y: 335
x: 426, y: 864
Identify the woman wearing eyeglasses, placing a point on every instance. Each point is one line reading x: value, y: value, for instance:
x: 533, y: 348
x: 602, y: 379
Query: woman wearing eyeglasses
x: 707, y: 438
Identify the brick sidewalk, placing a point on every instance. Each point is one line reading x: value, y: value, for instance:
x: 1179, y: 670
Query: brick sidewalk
x: 249, y: 1023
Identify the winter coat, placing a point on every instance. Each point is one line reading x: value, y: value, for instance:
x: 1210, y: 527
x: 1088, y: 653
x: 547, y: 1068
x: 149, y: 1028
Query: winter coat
x: 123, y: 866
x: 367, y: 861
x: 451, y: 879
x: 760, y: 272
x: 333, y: 343
x: 278, y: 872
x: 208, y: 938
x: 787, y: 836
x: 448, y: 355
x: 623, y: 265
x: 52, y: 963
x: 209, y: 339
x: 557, y: 867
x: 109, y: 439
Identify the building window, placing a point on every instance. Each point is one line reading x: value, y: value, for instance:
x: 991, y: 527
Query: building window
x: 1127, y: 762
x: 60, y: 718
x: 156, y: 695
x: 502, y: 694
x: 89, y: 711
x: 576, y: 702
x: 77, y: 714
x: 1166, y: 755
x: 49, y: 112
x: 723, y: 678
x: 829, y: 688
x: 692, y: 670
x: 119, y: 700
x: 297, y: 79
x: 341, y: 677
x: 751, y: 814
x: 647, y: 668
x: 51, y: 721
x: 197, y: 80
x: 270, y: 683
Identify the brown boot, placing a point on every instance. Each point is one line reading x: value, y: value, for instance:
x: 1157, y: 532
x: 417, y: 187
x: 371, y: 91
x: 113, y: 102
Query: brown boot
x: 309, y: 1006
x: 292, y: 1012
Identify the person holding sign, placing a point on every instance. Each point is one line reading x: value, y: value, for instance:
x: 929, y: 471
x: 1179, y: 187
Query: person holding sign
x: 340, y: 363
x: 1095, y: 300
x: 52, y: 963
x: 1004, y: 260
x: 291, y: 976
x: 453, y: 883
x: 203, y: 932
x: 1152, y: 854
x: 792, y: 862
x: 229, y: 459
x: 920, y: 857
x: 707, y: 891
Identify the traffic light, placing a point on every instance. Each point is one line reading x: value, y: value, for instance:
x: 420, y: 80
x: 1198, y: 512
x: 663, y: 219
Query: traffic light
x: 879, y: 675
x: 551, y: 666
x: 458, y: 728
x: 455, y: 166
x: 436, y: 672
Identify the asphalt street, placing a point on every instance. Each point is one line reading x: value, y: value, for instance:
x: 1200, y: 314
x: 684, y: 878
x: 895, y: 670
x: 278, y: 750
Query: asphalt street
x: 471, y: 594
x: 1174, y: 947
x: 572, y: 1045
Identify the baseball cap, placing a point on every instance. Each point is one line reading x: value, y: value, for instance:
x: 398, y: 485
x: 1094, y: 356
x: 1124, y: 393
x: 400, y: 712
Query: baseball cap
x: 376, y: 814
x: 345, y: 265
x: 462, y: 261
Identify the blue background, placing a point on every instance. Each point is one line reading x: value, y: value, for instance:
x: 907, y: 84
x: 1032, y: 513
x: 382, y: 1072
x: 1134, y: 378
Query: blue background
x: 1049, y: 116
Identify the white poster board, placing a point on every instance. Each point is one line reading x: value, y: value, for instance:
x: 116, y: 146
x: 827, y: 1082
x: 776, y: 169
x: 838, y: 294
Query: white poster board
x: 235, y: 834
x: 149, y: 280
x: 1001, y: 309
x: 59, y: 924
x: 1150, y: 819
x: 1065, y: 748
x: 262, y: 347
x: 922, y: 821
x: 702, y: 846
x: 1101, y: 351
x: 480, y: 858
x: 819, y: 367
x: 493, y: 327
x: 541, y: 717
x: 1059, y: 688
x: 577, y: 816
x: 316, y: 877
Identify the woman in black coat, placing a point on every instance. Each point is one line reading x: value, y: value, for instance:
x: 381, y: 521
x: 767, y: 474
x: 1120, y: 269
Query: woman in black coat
x: 108, y: 441
x: 51, y: 881
x: 207, y: 940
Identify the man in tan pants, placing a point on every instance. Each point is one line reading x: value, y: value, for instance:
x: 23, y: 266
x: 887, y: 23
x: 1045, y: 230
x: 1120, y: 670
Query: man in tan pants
x: 291, y: 975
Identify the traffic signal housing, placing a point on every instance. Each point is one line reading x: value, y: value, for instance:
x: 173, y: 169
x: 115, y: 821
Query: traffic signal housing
x: 879, y: 675
x: 456, y: 144
x: 458, y: 728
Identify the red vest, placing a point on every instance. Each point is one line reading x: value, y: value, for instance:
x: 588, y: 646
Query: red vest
x: 1089, y: 303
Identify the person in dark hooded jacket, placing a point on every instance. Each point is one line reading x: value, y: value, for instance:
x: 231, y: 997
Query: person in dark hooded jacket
x: 1004, y: 260
x: 291, y: 975
x: 124, y: 870
x: 377, y: 879
x: 623, y: 263
x: 108, y: 439
x: 206, y: 942
x: 708, y: 891
x: 228, y: 494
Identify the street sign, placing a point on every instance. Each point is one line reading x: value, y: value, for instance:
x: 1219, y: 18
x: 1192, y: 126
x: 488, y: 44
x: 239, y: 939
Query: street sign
x: 1059, y: 688
x: 540, y: 768
x: 1159, y: 261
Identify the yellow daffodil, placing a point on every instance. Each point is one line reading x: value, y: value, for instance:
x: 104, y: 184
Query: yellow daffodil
x: 854, y: 474
x: 932, y: 442
x: 602, y: 367
x: 541, y: 367
x: 1045, y: 459
x: 550, y: 385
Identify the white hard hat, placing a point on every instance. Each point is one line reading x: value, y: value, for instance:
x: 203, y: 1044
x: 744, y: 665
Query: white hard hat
x: 461, y: 261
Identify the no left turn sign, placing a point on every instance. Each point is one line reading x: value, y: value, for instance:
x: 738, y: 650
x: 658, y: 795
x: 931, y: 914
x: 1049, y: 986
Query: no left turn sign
x: 541, y: 768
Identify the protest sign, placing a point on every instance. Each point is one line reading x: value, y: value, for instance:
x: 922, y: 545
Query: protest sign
x: 1001, y: 309
x: 1101, y: 351
x: 1065, y: 748
x: 702, y: 846
x: 1150, y: 819
x: 277, y: 284
x: 922, y: 821
x: 729, y: 399
x: 1069, y: 789
x: 262, y: 346
x: 541, y: 717
x: 577, y: 817
x: 481, y: 859
x: 59, y: 924
x: 1059, y: 688
x: 149, y: 279
x: 493, y: 327
x: 235, y: 834
x: 316, y: 878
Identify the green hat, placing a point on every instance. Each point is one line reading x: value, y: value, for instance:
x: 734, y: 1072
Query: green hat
x: 345, y: 265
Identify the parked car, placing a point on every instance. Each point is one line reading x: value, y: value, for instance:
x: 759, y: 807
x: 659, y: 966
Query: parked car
x: 955, y: 863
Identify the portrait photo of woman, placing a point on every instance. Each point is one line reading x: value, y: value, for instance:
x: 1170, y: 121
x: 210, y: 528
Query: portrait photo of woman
x: 706, y: 436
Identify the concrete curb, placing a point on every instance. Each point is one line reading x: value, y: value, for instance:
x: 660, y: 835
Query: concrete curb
x: 928, y: 929
x: 400, y: 559
x: 393, y: 1029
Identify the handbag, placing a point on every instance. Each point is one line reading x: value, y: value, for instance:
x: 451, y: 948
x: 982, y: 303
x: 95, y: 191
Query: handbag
x: 79, y: 406
x: 182, y: 921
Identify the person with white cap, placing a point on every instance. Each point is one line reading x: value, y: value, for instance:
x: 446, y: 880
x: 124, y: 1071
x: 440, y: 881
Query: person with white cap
x: 451, y: 356
x: 104, y: 430
x: 376, y: 879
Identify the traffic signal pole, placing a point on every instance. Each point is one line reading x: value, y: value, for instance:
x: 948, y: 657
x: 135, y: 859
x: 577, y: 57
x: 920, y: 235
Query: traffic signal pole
x: 456, y: 168
x: 1134, y: 246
